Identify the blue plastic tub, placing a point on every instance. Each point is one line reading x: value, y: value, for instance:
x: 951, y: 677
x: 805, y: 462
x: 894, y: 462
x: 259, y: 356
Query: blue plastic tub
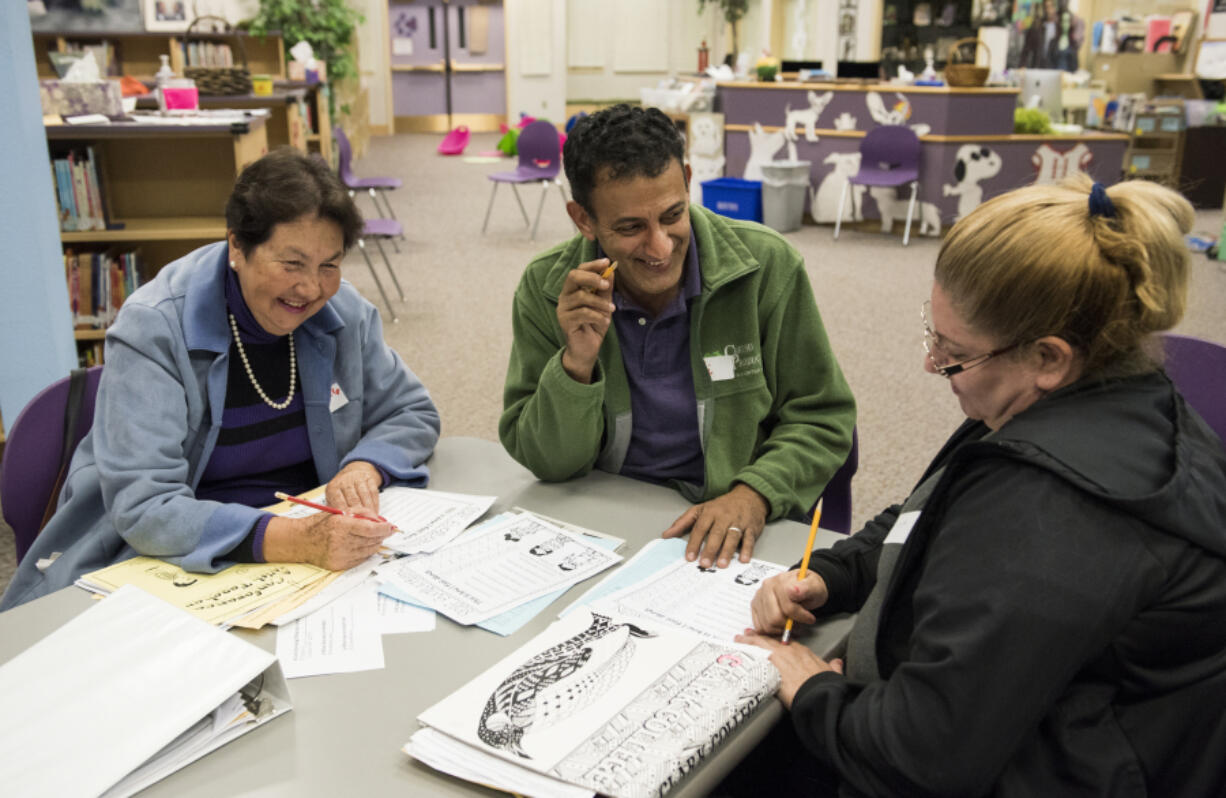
x: 734, y: 198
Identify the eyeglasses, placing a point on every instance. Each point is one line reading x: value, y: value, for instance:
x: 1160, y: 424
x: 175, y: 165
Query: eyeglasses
x: 932, y: 345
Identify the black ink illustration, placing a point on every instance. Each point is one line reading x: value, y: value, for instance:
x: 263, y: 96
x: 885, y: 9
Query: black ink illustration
x: 558, y: 682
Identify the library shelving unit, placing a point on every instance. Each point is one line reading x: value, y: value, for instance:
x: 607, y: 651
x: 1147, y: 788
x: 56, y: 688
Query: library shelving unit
x: 166, y: 185
x: 138, y: 51
x: 292, y: 104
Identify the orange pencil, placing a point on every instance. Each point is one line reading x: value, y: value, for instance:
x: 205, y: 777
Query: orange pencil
x: 323, y: 507
x: 804, y: 563
x: 606, y: 274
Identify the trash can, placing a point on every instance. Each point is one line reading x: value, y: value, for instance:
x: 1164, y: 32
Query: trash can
x: 784, y: 185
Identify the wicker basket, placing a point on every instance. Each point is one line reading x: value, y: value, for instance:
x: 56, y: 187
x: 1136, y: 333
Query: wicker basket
x: 219, y: 80
x: 965, y: 75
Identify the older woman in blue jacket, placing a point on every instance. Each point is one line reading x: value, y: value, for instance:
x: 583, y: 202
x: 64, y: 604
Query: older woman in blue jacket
x: 245, y: 368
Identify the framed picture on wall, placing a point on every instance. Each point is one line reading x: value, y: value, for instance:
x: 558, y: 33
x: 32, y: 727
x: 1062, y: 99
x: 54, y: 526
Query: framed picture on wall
x: 168, y: 15
x: 70, y: 17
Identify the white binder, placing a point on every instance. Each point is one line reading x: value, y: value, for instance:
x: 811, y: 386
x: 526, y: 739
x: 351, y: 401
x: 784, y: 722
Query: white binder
x: 126, y: 693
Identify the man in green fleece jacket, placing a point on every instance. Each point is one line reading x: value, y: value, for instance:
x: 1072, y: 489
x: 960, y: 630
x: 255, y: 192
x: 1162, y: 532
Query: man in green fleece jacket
x: 700, y: 361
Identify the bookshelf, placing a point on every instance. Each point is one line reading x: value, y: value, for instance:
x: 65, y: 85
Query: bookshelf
x: 166, y: 185
x: 138, y: 51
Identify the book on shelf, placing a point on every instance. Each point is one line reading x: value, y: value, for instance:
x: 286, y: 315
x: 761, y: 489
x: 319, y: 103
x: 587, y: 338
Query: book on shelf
x: 208, y: 54
x: 98, y: 284
x: 80, y: 201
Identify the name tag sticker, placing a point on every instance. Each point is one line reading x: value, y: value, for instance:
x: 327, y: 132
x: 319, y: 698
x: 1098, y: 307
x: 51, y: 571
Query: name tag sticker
x: 338, y: 399
x: 721, y: 367
x: 902, y: 527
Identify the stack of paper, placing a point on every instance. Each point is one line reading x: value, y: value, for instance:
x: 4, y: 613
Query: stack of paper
x: 131, y: 680
x: 346, y: 634
x: 223, y: 598
x: 609, y: 704
x: 498, y: 567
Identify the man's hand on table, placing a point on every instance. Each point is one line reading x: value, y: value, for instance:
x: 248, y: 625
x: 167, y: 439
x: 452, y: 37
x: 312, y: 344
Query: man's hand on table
x: 722, y: 525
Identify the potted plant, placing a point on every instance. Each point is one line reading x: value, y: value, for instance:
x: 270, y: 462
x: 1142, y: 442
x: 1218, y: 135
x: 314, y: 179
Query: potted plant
x: 328, y: 25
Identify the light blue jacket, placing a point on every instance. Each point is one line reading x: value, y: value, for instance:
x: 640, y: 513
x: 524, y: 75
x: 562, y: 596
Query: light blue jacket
x: 131, y: 485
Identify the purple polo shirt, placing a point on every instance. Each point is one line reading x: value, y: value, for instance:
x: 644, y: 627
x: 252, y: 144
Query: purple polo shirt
x: 665, y: 441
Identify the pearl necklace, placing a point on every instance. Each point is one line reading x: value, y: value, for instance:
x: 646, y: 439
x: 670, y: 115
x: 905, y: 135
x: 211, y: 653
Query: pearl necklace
x: 293, y: 369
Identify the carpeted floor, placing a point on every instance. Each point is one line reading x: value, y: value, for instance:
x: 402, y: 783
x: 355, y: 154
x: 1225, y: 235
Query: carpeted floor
x: 454, y: 325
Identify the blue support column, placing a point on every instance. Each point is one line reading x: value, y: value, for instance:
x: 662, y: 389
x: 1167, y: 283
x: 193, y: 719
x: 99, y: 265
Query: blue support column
x: 36, y: 343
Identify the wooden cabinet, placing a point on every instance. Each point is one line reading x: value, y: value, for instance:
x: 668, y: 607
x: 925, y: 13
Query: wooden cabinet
x: 166, y: 185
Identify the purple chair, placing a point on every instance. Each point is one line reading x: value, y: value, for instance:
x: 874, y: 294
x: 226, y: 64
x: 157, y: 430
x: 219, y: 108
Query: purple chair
x: 1198, y: 369
x: 540, y: 160
x: 380, y: 230
x: 30, y: 471
x: 889, y: 156
x: 374, y: 186
x: 836, y: 509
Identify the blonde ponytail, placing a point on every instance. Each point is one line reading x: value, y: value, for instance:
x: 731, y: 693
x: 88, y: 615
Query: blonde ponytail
x: 1104, y: 272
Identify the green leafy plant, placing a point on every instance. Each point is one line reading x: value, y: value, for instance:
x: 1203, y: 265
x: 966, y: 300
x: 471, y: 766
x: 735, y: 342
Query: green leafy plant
x: 328, y: 25
x: 733, y: 11
x: 1033, y: 121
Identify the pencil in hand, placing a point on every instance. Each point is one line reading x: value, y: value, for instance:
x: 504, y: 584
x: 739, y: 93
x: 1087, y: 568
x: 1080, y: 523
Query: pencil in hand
x: 804, y: 563
x: 606, y: 274
x: 325, y: 508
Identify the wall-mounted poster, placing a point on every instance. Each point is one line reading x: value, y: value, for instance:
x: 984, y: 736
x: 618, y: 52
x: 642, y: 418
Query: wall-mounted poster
x: 86, y: 16
x: 1045, y: 34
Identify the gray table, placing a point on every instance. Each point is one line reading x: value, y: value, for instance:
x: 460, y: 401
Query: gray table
x: 346, y: 730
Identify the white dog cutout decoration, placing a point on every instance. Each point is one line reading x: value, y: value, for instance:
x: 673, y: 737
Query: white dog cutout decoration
x: 806, y: 116
x: 896, y: 116
x: 824, y: 203
x: 891, y: 207
x: 975, y: 163
x: 762, y: 149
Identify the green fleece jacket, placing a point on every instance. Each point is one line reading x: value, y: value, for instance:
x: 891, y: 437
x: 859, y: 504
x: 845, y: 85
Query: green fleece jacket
x: 781, y: 425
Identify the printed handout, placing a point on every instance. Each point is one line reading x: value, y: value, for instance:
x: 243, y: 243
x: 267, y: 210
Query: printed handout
x: 712, y: 602
x: 426, y: 520
x: 341, y: 637
x: 498, y: 567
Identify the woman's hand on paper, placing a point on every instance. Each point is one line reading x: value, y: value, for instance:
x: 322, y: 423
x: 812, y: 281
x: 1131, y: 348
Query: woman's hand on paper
x: 722, y: 525
x: 335, y: 542
x: 585, y: 310
x: 782, y: 597
x: 355, y: 489
x: 796, y: 664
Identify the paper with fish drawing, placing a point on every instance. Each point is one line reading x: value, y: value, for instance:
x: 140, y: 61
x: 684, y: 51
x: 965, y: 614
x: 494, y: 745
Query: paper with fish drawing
x: 497, y: 568
x: 711, y: 602
x: 622, y: 707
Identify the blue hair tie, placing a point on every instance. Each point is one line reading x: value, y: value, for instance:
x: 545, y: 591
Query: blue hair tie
x: 1100, y: 203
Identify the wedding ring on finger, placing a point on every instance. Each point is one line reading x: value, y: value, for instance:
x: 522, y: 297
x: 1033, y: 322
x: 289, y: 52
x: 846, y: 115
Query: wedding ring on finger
x: 736, y: 529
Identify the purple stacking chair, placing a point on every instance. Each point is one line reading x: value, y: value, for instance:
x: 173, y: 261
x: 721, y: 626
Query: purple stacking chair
x: 836, y: 498
x: 1198, y: 369
x: 37, y: 453
x: 540, y: 160
x: 374, y: 186
x: 380, y: 230
x: 889, y: 156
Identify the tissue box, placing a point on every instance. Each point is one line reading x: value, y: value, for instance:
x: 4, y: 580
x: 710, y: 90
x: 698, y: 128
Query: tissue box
x: 74, y: 99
